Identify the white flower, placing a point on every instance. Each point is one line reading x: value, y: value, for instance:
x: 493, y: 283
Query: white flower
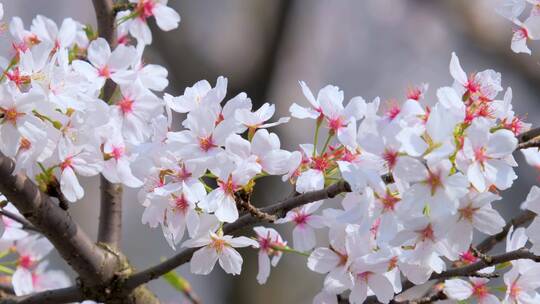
x: 166, y: 18
x: 218, y: 247
x: 474, y: 211
x: 487, y: 157
x: 31, y: 251
x: 268, y: 239
x: 104, y: 64
x: 80, y: 160
x: 257, y: 119
x: 477, y: 288
x: 305, y: 222
x: 231, y: 178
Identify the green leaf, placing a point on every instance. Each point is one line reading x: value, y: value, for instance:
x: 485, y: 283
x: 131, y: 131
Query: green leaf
x: 6, y: 269
x: 177, y: 282
x: 503, y: 265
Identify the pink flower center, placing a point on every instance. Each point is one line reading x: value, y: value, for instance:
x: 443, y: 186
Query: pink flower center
x: 320, y: 163
x: 414, y: 94
x: 264, y: 243
x: 335, y: 124
x: 480, y: 154
x: 181, y: 204
x: 522, y: 33
x: 393, y: 112
x: 472, y: 85
x: 480, y: 290
x: 104, y: 72
x: 391, y: 158
x: 17, y: 78
x: 26, y: 261
x: 11, y: 115
x: 301, y: 219
x: 25, y: 144
x: 183, y: 174
x: 467, y: 212
x: 228, y: 186
x: 427, y: 233
x: 516, y: 125
x: 206, y: 143
x: 126, y: 105
x: 468, y: 257
x: 124, y: 39
x: 389, y: 201
x: 117, y: 152
x: 146, y: 9
x: 67, y: 163
x: 218, y: 244
x: 434, y: 181
x: 364, y: 276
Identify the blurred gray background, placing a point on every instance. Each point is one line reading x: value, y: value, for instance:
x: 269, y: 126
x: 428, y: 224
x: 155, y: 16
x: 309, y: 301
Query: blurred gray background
x: 369, y: 48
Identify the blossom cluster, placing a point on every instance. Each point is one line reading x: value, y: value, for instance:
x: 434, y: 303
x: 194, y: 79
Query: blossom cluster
x: 22, y: 254
x: 529, y: 29
x: 423, y: 172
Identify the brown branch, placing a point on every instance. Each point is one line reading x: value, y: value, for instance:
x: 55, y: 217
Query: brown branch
x: 55, y: 296
x: 529, y: 139
x: 26, y: 225
x: 110, y: 214
x: 278, y: 210
x: 535, y: 142
x: 440, y: 295
x: 104, y: 10
x: 75, y: 247
x: 528, y: 135
x: 488, y: 243
x: 467, y: 270
x: 243, y: 200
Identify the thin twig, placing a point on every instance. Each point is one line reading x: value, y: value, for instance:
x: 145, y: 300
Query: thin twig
x: 535, y: 142
x: 488, y: 243
x: 243, y: 200
x: 55, y: 296
x: 279, y: 210
x: 440, y: 295
x: 110, y: 215
x: 75, y: 247
x: 26, y: 225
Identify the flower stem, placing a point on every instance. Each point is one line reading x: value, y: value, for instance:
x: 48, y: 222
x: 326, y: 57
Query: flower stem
x: 316, y: 139
x: 328, y: 139
x: 289, y: 250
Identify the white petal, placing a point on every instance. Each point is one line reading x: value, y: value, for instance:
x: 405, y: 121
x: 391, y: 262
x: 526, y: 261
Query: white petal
x: 69, y: 184
x: 456, y: 71
x: 323, y: 260
x: 231, y: 261
x: 166, y: 18
x: 457, y: 289
x: 203, y: 260
x: 264, y: 267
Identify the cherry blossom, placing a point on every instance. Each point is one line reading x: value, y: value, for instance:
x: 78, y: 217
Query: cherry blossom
x: 216, y: 247
x: 270, y: 243
x: 305, y: 222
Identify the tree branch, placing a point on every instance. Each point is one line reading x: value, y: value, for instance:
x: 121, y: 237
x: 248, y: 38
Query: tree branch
x: 110, y: 213
x: 488, y: 243
x: 279, y: 210
x: 75, y: 247
x: 55, y: 296
x: 26, y: 225
x: 467, y: 270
